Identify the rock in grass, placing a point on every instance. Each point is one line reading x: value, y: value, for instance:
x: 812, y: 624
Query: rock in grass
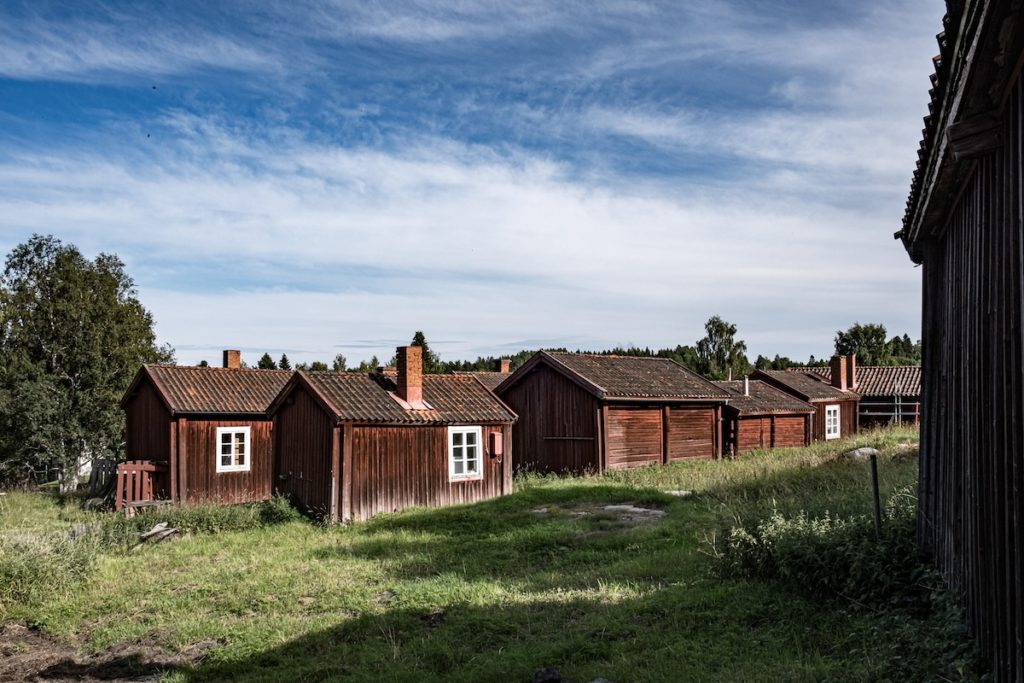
x: 548, y: 675
x: 678, y: 493
x: 862, y: 453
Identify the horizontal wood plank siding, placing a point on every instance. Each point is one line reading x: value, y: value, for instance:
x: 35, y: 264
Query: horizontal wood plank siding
x: 790, y: 431
x: 197, y: 440
x: 691, y: 432
x: 634, y: 437
x: 556, y: 431
x: 303, y: 433
x: 394, y: 468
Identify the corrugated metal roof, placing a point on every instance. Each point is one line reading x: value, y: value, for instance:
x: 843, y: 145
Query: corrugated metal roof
x: 196, y: 390
x: 763, y: 399
x: 879, y: 380
x: 365, y: 398
x: 806, y: 385
x: 637, y: 377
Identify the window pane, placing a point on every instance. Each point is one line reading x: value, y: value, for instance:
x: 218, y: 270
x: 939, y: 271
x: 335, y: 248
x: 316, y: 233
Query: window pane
x: 225, y: 461
x: 471, y: 438
x: 471, y: 466
x: 457, y: 438
x: 225, y: 449
x: 457, y: 467
x: 457, y: 453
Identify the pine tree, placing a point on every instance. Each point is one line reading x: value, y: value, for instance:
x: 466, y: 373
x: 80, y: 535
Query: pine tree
x: 266, y: 362
x: 283, y: 364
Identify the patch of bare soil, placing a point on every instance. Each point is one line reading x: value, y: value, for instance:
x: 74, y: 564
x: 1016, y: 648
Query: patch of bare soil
x: 30, y: 655
x: 621, y: 514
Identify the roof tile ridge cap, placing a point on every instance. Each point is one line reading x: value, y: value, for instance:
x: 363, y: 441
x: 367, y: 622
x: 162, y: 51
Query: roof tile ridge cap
x: 601, y: 390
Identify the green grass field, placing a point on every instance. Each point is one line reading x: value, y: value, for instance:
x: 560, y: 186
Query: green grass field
x: 496, y: 590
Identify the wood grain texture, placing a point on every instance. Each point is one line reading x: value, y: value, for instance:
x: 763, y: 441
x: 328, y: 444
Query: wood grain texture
x: 303, y: 435
x: 634, y: 437
x: 204, y: 484
x: 691, y: 432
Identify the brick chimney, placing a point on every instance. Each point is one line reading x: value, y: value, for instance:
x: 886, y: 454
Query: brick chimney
x: 838, y: 373
x: 504, y: 364
x: 410, y: 374
x: 851, y: 371
x: 232, y: 358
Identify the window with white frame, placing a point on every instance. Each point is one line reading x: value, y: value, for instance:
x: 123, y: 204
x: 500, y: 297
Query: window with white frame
x: 831, y: 422
x: 464, y: 453
x: 233, y: 449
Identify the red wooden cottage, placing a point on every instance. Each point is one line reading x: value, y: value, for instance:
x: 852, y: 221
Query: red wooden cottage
x: 580, y: 412
x: 351, y: 445
x: 835, y: 404
x: 206, y: 427
x: 889, y: 394
x: 760, y: 416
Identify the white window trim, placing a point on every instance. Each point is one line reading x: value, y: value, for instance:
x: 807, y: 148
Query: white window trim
x: 248, y: 449
x: 479, y: 474
x: 829, y: 434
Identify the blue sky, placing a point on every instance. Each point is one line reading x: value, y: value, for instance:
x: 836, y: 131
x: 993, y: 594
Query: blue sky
x: 316, y: 177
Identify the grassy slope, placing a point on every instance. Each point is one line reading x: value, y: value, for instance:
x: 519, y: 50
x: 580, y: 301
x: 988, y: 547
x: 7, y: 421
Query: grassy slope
x: 495, y: 591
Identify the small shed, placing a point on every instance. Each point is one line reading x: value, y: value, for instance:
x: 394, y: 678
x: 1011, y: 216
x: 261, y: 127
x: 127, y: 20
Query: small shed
x: 208, y: 426
x: 580, y: 412
x: 351, y: 445
x: 836, y: 406
x: 760, y: 416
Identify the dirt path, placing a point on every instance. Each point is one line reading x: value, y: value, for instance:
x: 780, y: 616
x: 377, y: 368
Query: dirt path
x: 30, y: 655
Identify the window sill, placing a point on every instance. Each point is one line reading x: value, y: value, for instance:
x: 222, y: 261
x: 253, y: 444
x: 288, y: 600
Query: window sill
x: 459, y: 480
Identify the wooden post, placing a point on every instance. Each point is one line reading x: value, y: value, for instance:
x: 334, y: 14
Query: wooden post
x: 665, y: 414
x: 771, y: 442
x: 182, y: 428
x: 335, y: 471
x: 603, y: 455
x: 172, y: 474
x: 346, y: 472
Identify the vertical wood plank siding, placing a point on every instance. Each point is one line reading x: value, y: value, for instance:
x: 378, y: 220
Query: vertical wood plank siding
x: 148, y: 432
x: 691, y: 432
x: 556, y: 431
x: 197, y: 438
x: 399, y: 467
x: 848, y: 418
x: 972, y: 445
x: 303, y: 434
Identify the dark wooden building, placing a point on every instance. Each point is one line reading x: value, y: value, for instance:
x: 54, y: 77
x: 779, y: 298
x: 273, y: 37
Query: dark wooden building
x: 835, y: 404
x: 209, y: 426
x: 351, y: 445
x: 889, y: 394
x: 580, y: 412
x: 760, y: 416
x: 965, y: 224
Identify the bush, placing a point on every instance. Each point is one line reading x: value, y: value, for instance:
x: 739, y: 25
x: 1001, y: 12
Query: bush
x: 38, y: 566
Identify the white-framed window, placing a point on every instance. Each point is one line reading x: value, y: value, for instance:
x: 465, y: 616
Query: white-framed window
x: 831, y: 422
x: 233, y: 449
x: 465, y: 449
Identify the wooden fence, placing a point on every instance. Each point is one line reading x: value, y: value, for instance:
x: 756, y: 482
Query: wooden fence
x: 138, y: 481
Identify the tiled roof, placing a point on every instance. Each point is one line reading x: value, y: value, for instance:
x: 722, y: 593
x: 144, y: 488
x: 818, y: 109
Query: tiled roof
x: 636, y: 377
x: 763, y: 399
x: 805, y: 385
x: 221, y: 391
x: 365, y: 398
x: 879, y: 380
x: 489, y: 379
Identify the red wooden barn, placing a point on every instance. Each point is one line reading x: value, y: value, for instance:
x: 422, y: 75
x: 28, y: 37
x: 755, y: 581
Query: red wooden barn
x: 835, y: 404
x: 760, y: 416
x: 580, y: 412
x: 208, y: 426
x: 351, y: 445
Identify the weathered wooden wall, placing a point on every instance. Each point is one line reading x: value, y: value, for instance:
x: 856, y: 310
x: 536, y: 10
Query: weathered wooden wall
x: 692, y: 432
x: 848, y: 419
x: 198, y: 479
x: 767, y: 431
x: 972, y: 422
x: 303, y: 435
x: 634, y: 437
x: 148, y: 434
x: 393, y: 468
x: 557, y: 426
